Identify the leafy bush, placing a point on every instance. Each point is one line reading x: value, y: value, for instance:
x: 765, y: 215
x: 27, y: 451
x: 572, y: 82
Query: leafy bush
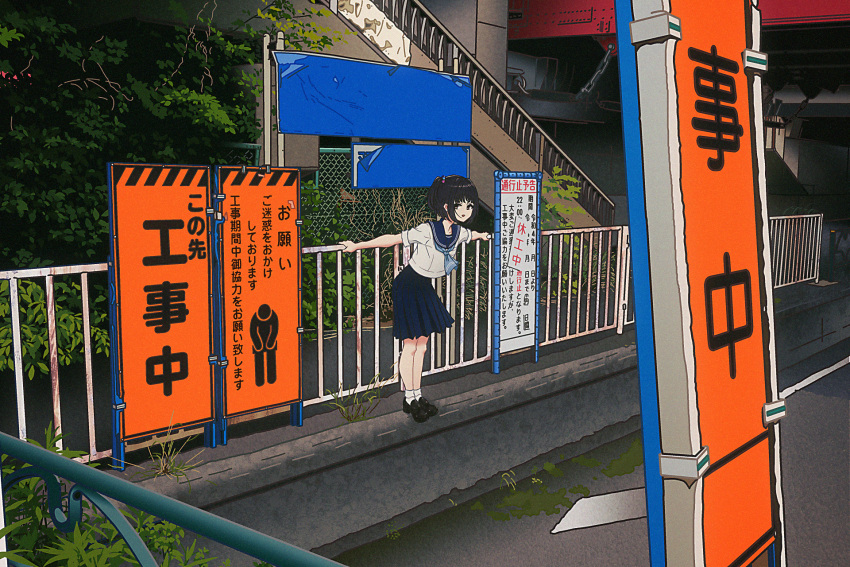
x: 33, y: 539
x: 77, y: 96
x: 69, y: 326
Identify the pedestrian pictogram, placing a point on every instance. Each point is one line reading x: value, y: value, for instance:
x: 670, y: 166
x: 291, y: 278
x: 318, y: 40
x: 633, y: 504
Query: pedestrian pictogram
x: 264, y: 328
x: 726, y: 282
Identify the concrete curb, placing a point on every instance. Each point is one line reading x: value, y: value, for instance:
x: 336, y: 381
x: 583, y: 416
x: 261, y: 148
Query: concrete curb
x: 232, y: 477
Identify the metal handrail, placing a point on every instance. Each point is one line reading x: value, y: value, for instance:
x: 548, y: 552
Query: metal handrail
x: 494, y: 99
x: 17, y: 351
x: 216, y: 528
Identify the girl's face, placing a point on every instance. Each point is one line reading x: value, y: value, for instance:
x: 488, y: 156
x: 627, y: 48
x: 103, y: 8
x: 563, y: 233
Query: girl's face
x: 463, y: 210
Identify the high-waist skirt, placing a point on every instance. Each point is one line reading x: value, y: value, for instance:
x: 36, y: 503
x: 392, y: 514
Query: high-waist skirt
x: 417, y: 310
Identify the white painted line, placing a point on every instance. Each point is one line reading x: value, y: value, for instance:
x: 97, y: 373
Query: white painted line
x: 589, y: 368
x: 343, y: 445
x: 270, y: 466
x: 275, y: 456
x: 387, y: 432
x: 304, y: 457
x: 487, y: 400
x: 537, y: 386
x: 238, y: 475
x: 813, y: 378
x: 604, y: 509
x: 448, y: 412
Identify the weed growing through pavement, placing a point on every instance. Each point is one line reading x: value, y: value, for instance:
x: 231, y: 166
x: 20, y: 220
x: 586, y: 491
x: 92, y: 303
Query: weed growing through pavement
x: 509, y: 478
x: 392, y: 532
x: 532, y: 495
x: 357, y: 406
x: 166, y: 460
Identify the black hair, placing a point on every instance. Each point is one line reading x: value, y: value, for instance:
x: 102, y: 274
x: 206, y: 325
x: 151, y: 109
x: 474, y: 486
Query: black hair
x: 450, y: 190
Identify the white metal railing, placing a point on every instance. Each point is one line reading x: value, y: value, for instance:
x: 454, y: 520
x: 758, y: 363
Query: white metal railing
x: 14, y: 277
x: 795, y: 246
x: 584, y: 283
x: 461, y: 292
x: 585, y: 288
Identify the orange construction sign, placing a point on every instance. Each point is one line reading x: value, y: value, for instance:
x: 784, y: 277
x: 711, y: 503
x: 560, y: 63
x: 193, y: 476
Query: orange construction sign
x: 162, y: 279
x: 725, y: 271
x: 716, y: 403
x: 261, y: 291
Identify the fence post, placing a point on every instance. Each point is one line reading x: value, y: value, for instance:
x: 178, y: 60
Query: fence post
x: 17, y: 350
x: 451, y: 284
x: 3, y: 561
x: 622, y: 277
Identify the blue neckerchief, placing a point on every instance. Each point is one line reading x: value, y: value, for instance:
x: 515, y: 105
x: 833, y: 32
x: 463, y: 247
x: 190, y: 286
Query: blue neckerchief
x: 445, y: 243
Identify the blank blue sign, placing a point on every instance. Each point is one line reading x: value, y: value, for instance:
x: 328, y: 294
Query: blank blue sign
x: 405, y: 165
x: 333, y: 96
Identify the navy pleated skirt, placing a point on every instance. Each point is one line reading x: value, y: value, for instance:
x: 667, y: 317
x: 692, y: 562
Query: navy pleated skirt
x: 417, y: 310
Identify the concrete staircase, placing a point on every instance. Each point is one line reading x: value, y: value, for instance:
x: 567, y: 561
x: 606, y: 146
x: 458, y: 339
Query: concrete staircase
x: 504, y: 135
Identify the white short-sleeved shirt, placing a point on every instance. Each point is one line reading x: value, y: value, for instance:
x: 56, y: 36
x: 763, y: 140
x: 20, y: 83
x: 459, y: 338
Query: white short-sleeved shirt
x: 426, y: 260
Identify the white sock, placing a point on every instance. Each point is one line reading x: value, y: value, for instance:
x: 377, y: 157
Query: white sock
x: 409, y: 396
x: 417, y: 393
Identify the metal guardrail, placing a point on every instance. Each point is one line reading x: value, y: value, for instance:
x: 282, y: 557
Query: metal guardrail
x: 97, y: 486
x: 586, y: 287
x: 445, y: 352
x: 14, y: 276
x: 435, y: 40
x: 795, y: 245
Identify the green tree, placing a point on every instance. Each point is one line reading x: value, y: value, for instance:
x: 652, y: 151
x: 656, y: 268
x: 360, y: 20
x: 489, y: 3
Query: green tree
x: 75, y: 96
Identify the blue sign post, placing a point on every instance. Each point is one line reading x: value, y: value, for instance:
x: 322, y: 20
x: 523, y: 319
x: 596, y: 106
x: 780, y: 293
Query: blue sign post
x: 650, y: 424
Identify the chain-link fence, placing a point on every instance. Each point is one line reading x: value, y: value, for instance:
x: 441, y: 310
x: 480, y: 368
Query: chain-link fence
x: 363, y: 213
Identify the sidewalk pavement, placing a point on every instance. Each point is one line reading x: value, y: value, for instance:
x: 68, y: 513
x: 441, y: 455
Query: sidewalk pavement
x: 598, y: 377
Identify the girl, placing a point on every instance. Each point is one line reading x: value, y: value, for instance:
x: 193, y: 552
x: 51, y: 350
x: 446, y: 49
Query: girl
x: 417, y: 310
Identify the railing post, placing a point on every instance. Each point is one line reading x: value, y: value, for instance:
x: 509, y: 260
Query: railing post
x: 3, y: 561
x: 50, y: 301
x: 623, y: 277
x: 451, y: 284
x: 14, y: 304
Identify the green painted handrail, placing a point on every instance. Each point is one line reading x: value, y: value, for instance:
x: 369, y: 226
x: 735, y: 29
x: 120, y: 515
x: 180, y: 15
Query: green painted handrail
x: 231, y: 534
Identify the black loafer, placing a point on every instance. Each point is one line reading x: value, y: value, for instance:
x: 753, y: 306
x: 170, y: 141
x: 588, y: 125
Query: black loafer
x: 429, y: 407
x: 414, y: 408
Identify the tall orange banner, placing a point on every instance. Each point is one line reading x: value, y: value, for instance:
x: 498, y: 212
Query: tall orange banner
x: 261, y: 298
x: 722, y: 234
x: 702, y: 196
x: 161, y: 275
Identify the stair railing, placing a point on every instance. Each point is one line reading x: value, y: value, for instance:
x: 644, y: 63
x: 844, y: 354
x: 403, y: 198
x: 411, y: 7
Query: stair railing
x: 438, y: 43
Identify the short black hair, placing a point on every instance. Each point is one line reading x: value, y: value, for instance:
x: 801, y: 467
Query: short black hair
x: 450, y: 190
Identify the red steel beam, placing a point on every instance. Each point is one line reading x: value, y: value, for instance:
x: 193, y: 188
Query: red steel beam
x: 529, y: 19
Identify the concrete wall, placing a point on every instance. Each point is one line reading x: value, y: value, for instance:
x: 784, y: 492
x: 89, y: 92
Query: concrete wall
x: 481, y: 27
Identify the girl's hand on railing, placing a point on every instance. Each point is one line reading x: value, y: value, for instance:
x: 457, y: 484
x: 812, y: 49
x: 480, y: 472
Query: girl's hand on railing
x: 348, y: 246
x: 480, y: 235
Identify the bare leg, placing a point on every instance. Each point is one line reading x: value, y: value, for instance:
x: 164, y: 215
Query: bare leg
x: 406, y: 364
x: 421, y: 344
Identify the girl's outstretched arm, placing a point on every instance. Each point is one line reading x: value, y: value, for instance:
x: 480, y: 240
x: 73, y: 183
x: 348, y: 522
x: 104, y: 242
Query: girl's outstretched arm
x: 384, y: 241
x: 480, y: 235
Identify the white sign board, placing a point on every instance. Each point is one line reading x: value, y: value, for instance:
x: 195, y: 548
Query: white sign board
x: 517, y: 235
